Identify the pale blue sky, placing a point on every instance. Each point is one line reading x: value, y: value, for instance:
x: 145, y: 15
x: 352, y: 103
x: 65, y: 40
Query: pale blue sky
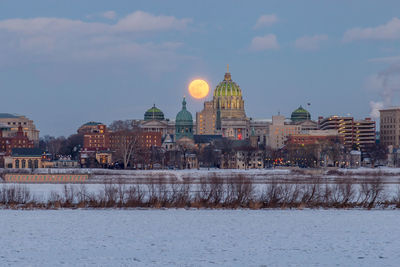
x: 63, y: 63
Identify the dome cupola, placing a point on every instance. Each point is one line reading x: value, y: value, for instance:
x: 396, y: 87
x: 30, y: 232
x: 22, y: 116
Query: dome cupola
x: 228, y: 96
x: 300, y: 114
x: 153, y: 114
x: 184, y: 122
x: 227, y: 87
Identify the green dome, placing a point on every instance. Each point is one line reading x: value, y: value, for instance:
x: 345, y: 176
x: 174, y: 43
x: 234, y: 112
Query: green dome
x: 227, y: 87
x: 153, y: 114
x: 184, y: 123
x: 92, y: 123
x: 300, y: 114
x: 184, y: 116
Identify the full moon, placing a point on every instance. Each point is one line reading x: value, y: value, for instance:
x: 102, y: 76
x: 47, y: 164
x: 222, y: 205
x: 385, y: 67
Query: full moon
x: 198, y: 89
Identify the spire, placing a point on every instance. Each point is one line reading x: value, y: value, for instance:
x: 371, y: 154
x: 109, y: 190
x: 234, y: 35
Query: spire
x: 184, y: 103
x: 227, y: 74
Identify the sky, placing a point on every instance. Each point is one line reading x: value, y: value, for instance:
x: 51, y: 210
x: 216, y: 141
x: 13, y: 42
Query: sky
x: 63, y: 63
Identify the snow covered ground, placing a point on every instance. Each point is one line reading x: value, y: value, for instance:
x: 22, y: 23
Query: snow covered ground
x: 199, y: 238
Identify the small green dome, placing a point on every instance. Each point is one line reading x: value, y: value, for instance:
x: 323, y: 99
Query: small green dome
x: 184, y: 123
x: 227, y: 87
x: 153, y: 114
x: 300, y: 114
x: 184, y: 116
x: 92, y: 123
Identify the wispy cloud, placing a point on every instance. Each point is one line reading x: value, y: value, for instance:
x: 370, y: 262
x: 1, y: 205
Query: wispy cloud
x: 266, y: 42
x: 67, y: 39
x: 310, y: 42
x: 266, y: 20
x: 138, y: 21
x: 388, y: 31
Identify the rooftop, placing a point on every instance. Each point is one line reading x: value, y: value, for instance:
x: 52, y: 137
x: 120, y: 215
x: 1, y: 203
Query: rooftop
x: 92, y: 123
x: 27, y: 152
x: 8, y: 115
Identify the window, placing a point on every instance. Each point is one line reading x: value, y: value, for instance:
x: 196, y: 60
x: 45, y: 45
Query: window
x: 17, y: 163
x: 23, y: 164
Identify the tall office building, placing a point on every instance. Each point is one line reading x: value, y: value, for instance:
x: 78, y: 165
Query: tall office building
x: 390, y: 127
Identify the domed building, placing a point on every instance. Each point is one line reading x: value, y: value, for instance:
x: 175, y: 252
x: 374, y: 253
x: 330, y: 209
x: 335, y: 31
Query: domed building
x: 225, y: 114
x: 229, y: 97
x: 153, y: 114
x: 154, y: 121
x: 90, y: 127
x: 183, y: 123
x: 300, y: 115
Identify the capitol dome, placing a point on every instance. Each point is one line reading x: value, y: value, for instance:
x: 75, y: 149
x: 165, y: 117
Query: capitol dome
x: 153, y: 114
x: 228, y: 98
x: 227, y: 87
x: 300, y: 114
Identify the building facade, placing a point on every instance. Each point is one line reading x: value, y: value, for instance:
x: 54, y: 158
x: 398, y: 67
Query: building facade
x: 360, y: 134
x: 315, y: 137
x: 19, y: 140
x: 154, y: 121
x: 96, y: 137
x: 23, y: 158
x: 15, y: 121
x: 225, y: 113
x: 390, y: 127
x: 279, y: 132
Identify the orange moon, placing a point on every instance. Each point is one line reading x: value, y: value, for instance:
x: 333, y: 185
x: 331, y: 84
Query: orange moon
x: 199, y: 89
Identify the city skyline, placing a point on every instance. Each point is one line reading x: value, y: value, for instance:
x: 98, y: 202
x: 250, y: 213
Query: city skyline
x: 65, y: 66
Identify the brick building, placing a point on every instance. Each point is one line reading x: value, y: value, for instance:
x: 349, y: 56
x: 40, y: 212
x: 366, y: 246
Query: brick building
x: 314, y: 137
x: 142, y: 139
x: 97, y: 138
x: 19, y: 140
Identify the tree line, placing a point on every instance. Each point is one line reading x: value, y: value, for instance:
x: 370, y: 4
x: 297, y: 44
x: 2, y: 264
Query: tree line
x: 211, y: 192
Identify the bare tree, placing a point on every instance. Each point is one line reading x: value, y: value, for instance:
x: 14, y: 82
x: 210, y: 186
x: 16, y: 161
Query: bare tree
x: 120, y: 125
x: 126, y: 144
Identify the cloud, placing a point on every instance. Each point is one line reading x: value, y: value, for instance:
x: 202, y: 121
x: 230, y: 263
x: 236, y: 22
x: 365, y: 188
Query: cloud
x: 310, y: 42
x: 138, y: 21
x: 266, y: 42
x: 266, y: 20
x: 388, y: 31
x: 142, y: 21
x: 386, y: 83
x: 59, y: 39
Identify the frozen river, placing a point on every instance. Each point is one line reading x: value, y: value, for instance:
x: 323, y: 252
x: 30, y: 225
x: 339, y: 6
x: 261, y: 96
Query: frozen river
x: 200, y: 238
